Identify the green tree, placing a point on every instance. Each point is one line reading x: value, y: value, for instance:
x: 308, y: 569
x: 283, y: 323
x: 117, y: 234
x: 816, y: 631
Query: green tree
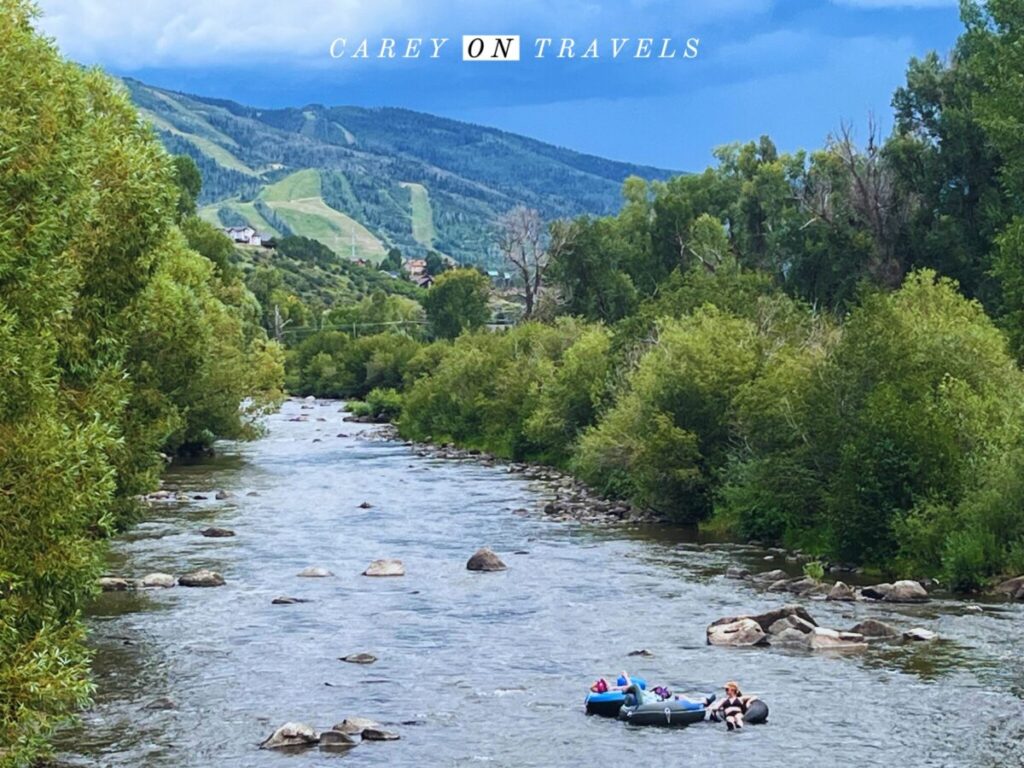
x: 457, y: 302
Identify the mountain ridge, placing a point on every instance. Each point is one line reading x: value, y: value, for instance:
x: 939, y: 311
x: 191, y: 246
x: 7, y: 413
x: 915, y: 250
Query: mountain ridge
x: 411, y: 180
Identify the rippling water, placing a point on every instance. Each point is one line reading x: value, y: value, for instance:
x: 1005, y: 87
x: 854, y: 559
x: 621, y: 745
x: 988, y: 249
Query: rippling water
x: 489, y: 669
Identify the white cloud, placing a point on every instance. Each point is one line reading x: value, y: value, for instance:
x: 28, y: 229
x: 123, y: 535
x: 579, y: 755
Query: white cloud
x: 131, y: 34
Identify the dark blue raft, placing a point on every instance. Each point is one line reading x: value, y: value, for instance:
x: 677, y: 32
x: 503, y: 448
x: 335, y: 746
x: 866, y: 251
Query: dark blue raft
x: 670, y: 713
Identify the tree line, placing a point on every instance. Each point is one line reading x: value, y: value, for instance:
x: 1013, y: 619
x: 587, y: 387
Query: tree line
x: 126, y: 336
x: 817, y: 349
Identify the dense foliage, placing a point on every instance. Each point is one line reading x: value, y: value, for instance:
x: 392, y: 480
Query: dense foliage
x: 123, y: 333
x: 816, y: 349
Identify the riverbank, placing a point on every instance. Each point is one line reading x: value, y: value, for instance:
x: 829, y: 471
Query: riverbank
x: 572, y: 499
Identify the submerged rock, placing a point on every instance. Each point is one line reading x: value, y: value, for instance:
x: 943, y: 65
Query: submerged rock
x: 485, y: 560
x: 161, y: 703
x: 919, y: 634
x: 385, y: 567
x: 291, y: 736
x: 201, y: 578
x: 283, y: 600
x: 359, y: 658
x: 366, y: 505
x: 217, y: 533
x: 314, y: 573
x: 221, y: 495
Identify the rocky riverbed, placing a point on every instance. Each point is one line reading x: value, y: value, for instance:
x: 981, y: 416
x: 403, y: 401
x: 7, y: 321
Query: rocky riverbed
x: 490, y: 666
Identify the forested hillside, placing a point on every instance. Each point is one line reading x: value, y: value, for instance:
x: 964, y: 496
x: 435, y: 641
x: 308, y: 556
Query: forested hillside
x: 396, y: 178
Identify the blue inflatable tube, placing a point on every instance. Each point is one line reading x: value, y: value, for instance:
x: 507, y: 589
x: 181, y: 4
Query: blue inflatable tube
x: 609, y: 703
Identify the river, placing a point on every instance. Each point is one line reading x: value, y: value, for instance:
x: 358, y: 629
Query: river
x: 489, y: 669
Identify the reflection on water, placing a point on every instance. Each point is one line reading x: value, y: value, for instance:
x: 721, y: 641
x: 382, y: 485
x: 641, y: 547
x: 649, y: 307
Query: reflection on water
x: 488, y: 668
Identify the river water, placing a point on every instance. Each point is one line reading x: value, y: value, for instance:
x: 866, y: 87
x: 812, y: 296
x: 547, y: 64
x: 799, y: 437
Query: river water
x: 489, y: 669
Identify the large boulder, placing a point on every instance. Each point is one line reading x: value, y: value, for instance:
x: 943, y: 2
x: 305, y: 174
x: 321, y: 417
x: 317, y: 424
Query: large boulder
x: 355, y: 725
x: 485, y: 560
x: 1012, y: 587
x: 158, y: 581
x: 738, y: 633
x: 791, y: 638
x: 201, y: 578
x: 841, y: 591
x: 824, y: 639
x: 873, y: 628
x: 291, y: 736
x: 385, y: 567
x: 906, y: 591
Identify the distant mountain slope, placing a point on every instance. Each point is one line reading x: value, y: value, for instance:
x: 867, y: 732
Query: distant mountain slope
x: 381, y: 177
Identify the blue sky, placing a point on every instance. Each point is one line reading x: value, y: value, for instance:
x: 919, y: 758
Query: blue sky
x: 793, y: 69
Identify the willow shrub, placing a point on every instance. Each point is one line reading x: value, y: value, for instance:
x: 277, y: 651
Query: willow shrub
x: 116, y: 341
x: 519, y: 394
x: 667, y: 434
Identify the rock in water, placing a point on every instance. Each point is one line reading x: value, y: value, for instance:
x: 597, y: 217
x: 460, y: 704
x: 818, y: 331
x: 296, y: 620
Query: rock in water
x: 876, y: 592
x: 336, y: 740
x: 162, y: 580
x: 355, y: 725
x: 283, y: 600
x: 1011, y: 587
x: 841, y: 591
x: 314, y: 573
x: 291, y: 736
x: 221, y: 495
x: 359, y: 658
x: 114, y: 584
x: 366, y: 505
x: 201, y: 578
x: 376, y: 734
x: 919, y: 634
x: 823, y: 639
x: 906, y: 591
x: 217, y: 533
x: 385, y: 567
x: 875, y: 628
x: 741, y: 632
x: 485, y: 560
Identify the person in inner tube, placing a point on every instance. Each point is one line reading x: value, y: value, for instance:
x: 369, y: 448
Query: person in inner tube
x: 733, y: 707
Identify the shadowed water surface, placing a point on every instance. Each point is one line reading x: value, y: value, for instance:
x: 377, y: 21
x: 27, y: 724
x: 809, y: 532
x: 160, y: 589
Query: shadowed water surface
x: 488, y: 669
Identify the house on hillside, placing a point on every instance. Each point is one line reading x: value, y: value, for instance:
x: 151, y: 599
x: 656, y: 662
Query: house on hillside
x: 246, y: 235
x: 500, y: 280
x: 415, y: 269
x: 424, y: 282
